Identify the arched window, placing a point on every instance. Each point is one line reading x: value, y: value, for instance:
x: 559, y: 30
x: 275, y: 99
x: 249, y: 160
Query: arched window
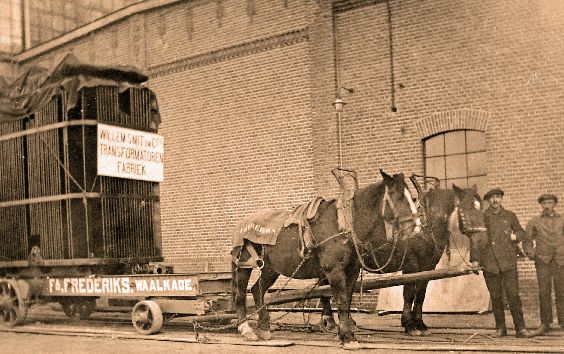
x: 457, y: 157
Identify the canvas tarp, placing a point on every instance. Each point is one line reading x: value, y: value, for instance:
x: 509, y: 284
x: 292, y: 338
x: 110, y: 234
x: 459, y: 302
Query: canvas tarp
x: 36, y: 86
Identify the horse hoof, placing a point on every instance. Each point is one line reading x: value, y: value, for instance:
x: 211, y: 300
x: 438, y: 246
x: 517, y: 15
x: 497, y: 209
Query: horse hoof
x: 247, y: 332
x: 327, y: 324
x: 264, y: 335
x: 413, y: 332
x: 425, y: 332
x: 353, y: 345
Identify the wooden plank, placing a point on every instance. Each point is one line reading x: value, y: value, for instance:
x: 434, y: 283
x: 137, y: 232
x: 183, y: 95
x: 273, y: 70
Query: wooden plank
x: 31, y: 131
x: 50, y: 198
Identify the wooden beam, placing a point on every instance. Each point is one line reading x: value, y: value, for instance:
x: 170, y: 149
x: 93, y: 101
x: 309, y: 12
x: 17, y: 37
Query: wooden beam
x: 385, y: 281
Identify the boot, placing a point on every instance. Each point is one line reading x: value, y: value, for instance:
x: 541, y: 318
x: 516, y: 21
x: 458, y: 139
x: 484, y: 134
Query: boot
x: 543, y: 328
x: 500, y: 332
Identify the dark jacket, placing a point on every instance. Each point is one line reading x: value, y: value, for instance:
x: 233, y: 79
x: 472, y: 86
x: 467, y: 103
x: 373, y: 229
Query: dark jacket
x: 548, y: 233
x: 497, y: 253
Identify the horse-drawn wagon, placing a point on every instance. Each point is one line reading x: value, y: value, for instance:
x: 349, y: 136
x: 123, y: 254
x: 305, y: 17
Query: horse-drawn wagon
x: 79, y: 203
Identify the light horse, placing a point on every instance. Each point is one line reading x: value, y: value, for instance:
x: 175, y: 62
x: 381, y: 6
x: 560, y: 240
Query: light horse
x: 440, y: 207
x: 334, y: 257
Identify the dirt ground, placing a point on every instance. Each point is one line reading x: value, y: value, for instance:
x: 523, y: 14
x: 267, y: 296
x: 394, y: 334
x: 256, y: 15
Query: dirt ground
x: 49, y: 331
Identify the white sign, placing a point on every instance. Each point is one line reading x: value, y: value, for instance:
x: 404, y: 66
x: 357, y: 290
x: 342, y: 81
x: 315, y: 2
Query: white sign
x: 128, y: 153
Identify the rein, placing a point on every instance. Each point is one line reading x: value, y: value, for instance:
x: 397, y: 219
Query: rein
x: 390, y: 234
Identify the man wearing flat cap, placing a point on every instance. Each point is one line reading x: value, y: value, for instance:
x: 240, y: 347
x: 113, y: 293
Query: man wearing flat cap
x: 547, y: 231
x: 499, y: 263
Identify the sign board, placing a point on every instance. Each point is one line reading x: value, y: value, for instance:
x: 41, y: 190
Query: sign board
x: 129, y: 153
x: 122, y: 286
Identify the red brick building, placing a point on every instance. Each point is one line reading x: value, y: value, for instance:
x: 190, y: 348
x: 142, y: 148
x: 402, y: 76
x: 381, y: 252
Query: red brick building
x: 246, y: 87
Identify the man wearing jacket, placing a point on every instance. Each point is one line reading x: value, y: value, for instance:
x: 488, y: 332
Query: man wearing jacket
x: 499, y: 263
x: 547, y: 230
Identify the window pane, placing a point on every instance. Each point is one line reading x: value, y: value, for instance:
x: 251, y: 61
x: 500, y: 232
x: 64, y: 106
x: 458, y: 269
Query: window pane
x: 477, y: 164
x: 475, y: 141
x: 455, y: 166
x: 435, y: 146
x: 435, y: 167
x: 454, y: 142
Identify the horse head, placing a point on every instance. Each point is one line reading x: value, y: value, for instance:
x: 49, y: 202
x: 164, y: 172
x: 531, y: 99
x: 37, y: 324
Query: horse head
x: 397, y: 208
x: 468, y: 206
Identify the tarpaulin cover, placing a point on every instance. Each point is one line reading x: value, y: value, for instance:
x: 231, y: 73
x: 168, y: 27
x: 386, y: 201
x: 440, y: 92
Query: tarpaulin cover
x: 261, y: 227
x: 36, y: 86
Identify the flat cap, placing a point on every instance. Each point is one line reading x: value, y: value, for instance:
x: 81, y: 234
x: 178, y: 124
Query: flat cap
x: 546, y: 196
x: 495, y: 191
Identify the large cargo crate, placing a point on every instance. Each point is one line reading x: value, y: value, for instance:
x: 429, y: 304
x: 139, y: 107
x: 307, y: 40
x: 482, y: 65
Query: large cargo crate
x: 51, y: 194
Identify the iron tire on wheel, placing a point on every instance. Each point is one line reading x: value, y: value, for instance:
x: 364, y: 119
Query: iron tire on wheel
x: 147, y: 317
x: 13, y: 309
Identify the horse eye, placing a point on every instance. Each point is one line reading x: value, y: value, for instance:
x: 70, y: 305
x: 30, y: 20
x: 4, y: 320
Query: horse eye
x: 477, y: 204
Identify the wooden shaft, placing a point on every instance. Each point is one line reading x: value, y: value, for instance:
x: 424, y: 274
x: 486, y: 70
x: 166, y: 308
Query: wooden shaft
x: 382, y: 282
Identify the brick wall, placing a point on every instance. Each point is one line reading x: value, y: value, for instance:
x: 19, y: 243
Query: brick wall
x: 238, y: 132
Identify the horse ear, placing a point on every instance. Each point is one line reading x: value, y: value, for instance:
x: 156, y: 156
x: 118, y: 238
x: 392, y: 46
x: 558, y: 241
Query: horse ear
x: 459, y: 192
x: 385, y: 175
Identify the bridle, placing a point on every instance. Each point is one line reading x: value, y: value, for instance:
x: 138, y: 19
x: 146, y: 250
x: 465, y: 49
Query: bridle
x: 388, y: 202
x: 463, y: 224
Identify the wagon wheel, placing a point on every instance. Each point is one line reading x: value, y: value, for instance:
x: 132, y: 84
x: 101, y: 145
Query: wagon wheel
x: 12, y: 306
x: 147, y: 317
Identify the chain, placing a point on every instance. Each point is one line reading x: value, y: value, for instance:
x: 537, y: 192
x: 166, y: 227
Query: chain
x: 197, y: 325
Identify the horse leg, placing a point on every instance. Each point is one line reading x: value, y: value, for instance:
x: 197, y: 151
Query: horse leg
x: 407, y: 321
x: 418, y: 308
x: 351, y: 282
x: 337, y: 281
x: 266, y: 280
x: 327, y: 323
x: 241, y: 280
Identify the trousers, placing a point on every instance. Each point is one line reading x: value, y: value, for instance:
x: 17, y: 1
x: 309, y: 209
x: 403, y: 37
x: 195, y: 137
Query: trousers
x: 509, y: 282
x: 546, y: 275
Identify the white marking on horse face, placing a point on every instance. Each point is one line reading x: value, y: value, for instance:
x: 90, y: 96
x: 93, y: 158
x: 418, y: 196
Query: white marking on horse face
x: 477, y: 204
x: 453, y: 221
x: 413, y: 208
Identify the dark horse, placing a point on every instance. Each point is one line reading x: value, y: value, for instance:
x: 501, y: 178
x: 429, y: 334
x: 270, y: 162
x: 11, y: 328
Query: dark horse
x: 440, y: 208
x: 334, y: 258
